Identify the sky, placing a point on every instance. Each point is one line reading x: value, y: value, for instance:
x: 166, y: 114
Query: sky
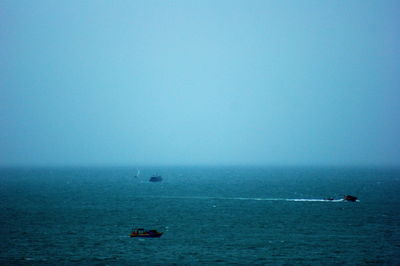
x: 164, y: 82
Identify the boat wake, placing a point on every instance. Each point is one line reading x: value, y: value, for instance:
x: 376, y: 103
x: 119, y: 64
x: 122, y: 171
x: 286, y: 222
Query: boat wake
x: 249, y: 199
x: 321, y: 200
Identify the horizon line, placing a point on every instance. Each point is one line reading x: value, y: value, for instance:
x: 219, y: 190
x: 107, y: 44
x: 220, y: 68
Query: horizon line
x: 165, y: 165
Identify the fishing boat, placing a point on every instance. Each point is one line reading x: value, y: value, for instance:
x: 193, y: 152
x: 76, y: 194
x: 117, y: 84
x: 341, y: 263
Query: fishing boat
x: 140, y: 232
x: 155, y: 178
x: 350, y: 198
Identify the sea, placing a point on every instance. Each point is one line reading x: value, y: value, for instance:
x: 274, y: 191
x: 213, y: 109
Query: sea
x: 208, y: 215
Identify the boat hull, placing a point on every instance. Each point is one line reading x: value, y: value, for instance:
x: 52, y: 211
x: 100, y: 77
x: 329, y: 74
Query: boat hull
x: 147, y: 235
x: 155, y: 179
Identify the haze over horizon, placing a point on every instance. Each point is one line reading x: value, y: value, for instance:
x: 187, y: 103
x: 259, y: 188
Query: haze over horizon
x: 200, y: 83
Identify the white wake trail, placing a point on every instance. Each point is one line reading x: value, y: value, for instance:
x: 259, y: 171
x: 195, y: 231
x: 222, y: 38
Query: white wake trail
x: 244, y: 198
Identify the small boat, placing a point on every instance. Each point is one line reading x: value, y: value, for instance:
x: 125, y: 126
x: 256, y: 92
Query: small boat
x: 140, y: 232
x: 155, y: 178
x: 329, y: 199
x: 350, y: 198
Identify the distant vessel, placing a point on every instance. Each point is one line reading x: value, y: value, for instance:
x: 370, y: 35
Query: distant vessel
x: 155, y: 178
x: 350, y: 198
x: 140, y: 232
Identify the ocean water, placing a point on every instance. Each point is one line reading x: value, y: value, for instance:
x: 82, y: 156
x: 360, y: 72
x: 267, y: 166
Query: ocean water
x: 209, y: 216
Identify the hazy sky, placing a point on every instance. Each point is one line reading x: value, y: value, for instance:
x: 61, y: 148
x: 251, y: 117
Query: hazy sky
x: 199, y: 82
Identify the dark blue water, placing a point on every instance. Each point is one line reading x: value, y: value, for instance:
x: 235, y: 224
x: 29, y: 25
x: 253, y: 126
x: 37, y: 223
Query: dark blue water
x: 220, y: 215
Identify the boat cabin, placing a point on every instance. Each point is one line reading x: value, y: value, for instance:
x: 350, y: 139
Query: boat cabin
x: 155, y: 178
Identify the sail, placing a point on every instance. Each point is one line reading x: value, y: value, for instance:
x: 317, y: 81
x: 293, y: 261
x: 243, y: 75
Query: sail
x: 137, y: 172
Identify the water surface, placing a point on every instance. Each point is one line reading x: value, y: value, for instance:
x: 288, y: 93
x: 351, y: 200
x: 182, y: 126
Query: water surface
x: 209, y: 215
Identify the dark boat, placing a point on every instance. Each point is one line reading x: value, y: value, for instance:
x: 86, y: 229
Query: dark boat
x: 155, y: 178
x: 140, y: 232
x: 350, y: 198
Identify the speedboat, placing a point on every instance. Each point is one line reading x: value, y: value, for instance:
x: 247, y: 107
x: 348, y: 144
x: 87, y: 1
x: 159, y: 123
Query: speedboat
x: 350, y: 198
x: 140, y: 232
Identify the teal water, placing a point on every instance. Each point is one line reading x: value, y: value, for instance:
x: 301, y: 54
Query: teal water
x: 214, y: 215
